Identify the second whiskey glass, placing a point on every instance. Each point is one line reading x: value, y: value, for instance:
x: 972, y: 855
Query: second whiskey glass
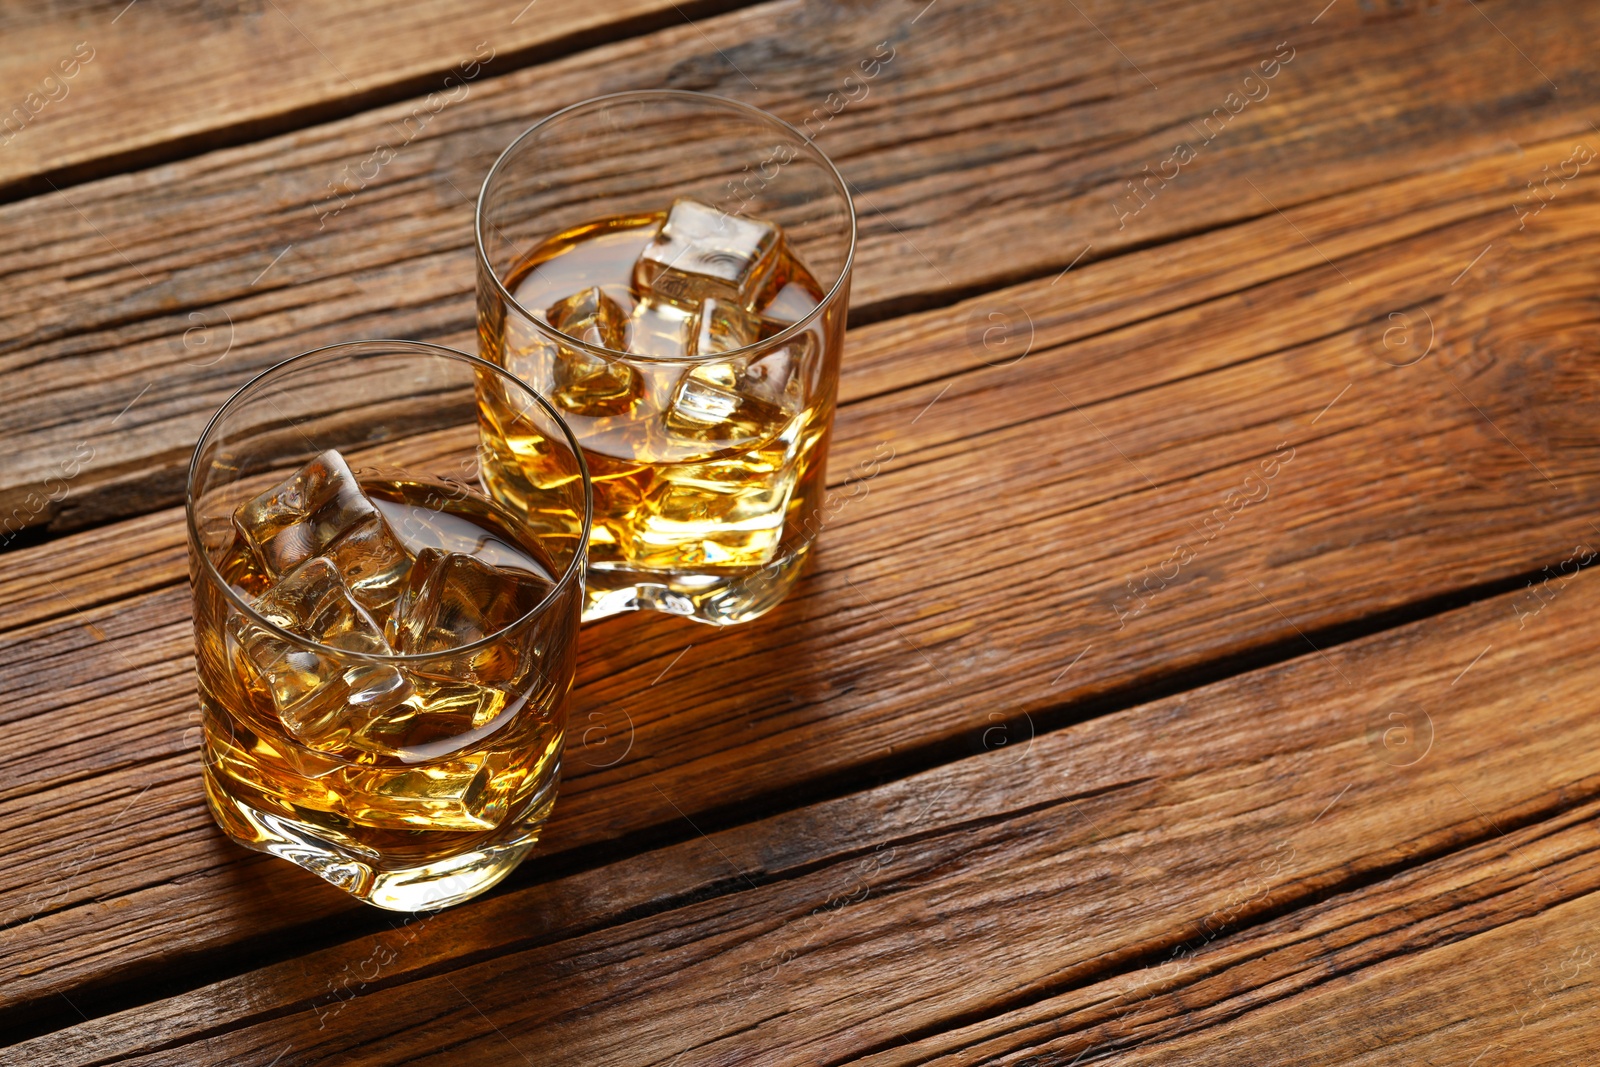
x: 672, y: 270
x: 383, y: 649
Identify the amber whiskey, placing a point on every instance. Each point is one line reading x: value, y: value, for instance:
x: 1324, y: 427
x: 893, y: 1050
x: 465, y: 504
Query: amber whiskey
x: 700, y: 387
x: 377, y: 708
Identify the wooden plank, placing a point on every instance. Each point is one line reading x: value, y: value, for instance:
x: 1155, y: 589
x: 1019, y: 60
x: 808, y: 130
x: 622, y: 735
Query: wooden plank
x: 1020, y: 877
x: 89, y: 90
x: 1325, y: 951
x: 919, y: 636
x: 1523, y: 994
x: 1015, y: 134
x: 1342, y: 991
x: 145, y: 553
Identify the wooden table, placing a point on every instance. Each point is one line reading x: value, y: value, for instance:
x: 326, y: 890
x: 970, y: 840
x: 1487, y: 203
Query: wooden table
x: 1207, y: 678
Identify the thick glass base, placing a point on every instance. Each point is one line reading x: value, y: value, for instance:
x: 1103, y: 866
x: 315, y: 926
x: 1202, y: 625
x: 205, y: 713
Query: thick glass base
x: 714, y: 599
x: 438, y: 883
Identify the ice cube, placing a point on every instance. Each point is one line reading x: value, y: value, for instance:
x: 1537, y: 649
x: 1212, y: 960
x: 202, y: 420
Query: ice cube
x: 241, y: 569
x: 739, y: 400
x: 792, y: 303
x: 470, y: 792
x: 774, y: 377
x: 453, y: 599
x: 789, y: 294
x: 528, y: 353
x: 584, y: 383
x: 592, y: 317
x: 321, y: 510
x: 657, y: 328
x: 324, y: 699
x: 373, y: 561
x: 297, y: 519
x: 719, y: 326
x: 742, y: 401
x: 701, y: 252
x: 705, y: 398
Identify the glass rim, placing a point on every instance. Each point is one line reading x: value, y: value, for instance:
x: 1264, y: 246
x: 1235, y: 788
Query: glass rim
x: 208, y: 567
x: 782, y: 337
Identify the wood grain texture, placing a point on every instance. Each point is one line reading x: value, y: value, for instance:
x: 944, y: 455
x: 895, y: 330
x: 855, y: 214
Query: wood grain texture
x: 999, y: 144
x: 91, y: 88
x: 1334, y: 960
x: 1523, y: 993
x: 1044, y: 882
x: 944, y: 621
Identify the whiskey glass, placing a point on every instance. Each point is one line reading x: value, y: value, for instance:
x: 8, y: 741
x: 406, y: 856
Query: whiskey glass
x: 672, y: 270
x: 383, y: 644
